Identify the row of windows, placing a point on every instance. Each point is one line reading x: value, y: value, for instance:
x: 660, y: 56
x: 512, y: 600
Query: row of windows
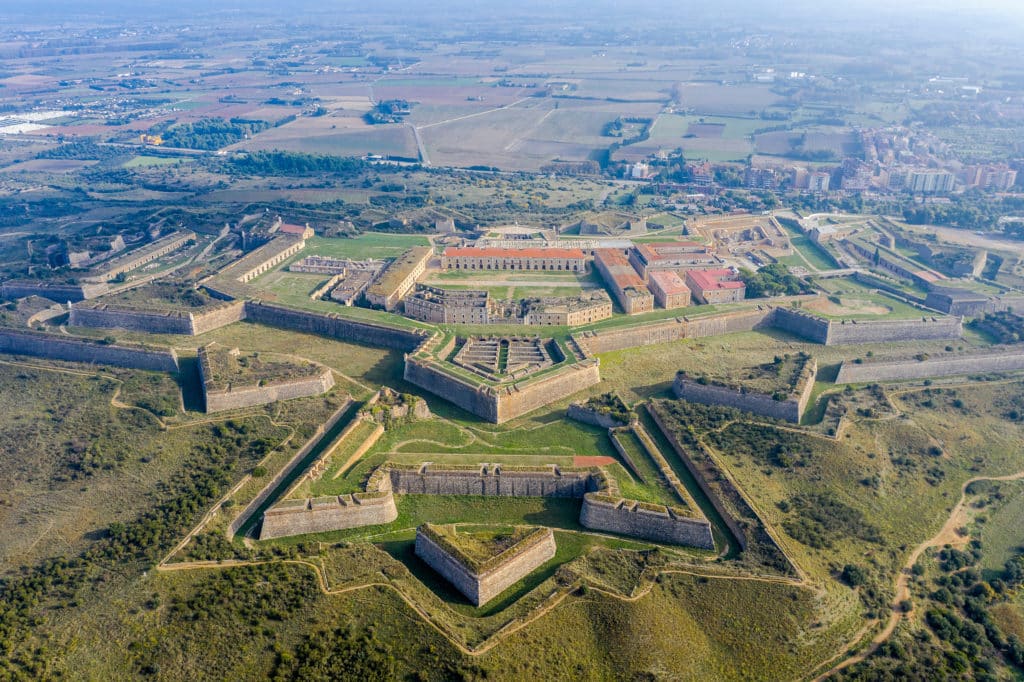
x: 512, y: 265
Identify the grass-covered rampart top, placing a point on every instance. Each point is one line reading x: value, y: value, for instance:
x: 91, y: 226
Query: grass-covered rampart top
x: 1003, y: 327
x: 611, y: 405
x: 162, y: 296
x: 225, y: 367
x: 779, y: 378
x: 480, y: 552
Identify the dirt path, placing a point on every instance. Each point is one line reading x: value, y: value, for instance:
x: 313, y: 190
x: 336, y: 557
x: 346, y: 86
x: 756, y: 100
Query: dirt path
x: 947, y: 535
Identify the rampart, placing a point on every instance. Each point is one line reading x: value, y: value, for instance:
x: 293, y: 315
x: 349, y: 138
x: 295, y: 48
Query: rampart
x: 105, y: 316
x: 976, y: 363
x: 36, y: 344
x: 491, y: 481
x: 790, y: 409
x: 275, y: 483
x: 323, y: 514
x: 235, y: 398
x: 334, y: 326
x: 672, y: 330
x: 500, y: 404
x: 650, y: 522
x: 791, y: 320
x: 583, y: 414
x: 801, y: 324
x: 484, y: 585
x: 612, y: 513
x: 61, y: 293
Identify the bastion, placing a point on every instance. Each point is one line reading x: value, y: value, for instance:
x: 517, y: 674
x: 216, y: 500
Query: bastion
x: 481, y: 568
x: 786, y: 398
x: 232, y: 380
x: 603, y: 507
x: 71, y: 349
x: 989, y: 361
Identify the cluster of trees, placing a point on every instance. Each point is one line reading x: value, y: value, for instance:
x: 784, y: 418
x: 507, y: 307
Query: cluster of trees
x: 970, y: 211
x: 52, y: 585
x: 1003, y: 326
x: 388, y: 111
x: 278, y: 163
x: 212, y: 133
x: 819, y: 520
x: 771, y: 280
x: 958, y: 639
x: 338, y: 654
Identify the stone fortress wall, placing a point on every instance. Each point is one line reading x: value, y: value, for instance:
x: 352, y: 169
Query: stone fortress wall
x: 112, y: 317
x: 40, y: 345
x: 324, y: 514
x: 334, y: 326
x: 61, y: 293
x: 791, y: 320
x: 500, y: 404
x: 482, y: 587
x: 603, y: 508
x: 1004, y: 360
x: 249, y: 395
x: 791, y: 409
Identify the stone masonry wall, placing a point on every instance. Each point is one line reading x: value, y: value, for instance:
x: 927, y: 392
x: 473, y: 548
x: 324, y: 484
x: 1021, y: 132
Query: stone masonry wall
x: 981, y: 363
x: 452, y: 571
x: 248, y: 396
x: 334, y: 326
x: 501, y: 404
x: 472, y: 398
x: 801, y: 324
x: 627, y: 517
x: 61, y: 293
x: 489, y: 481
x: 516, y: 401
x: 593, y: 417
x: 791, y: 409
x: 887, y: 331
x: 156, y: 322
x: 106, y: 317
x: 40, y: 345
x: 698, y: 476
x: 672, y: 330
x: 757, y: 403
x: 481, y: 589
x: 218, y: 317
x: 273, y: 484
x: 323, y: 514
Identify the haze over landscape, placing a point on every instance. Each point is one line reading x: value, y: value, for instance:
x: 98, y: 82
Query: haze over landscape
x: 540, y: 340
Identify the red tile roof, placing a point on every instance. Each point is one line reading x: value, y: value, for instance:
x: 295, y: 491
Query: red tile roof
x: 452, y: 251
x: 292, y: 229
x: 620, y: 269
x: 669, y: 282
x: 714, y: 279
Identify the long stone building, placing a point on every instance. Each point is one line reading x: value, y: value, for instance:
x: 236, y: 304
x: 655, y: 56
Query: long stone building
x: 135, y: 259
x: 460, y: 306
x: 647, y: 258
x: 625, y: 285
x: 564, y: 260
x: 398, y: 278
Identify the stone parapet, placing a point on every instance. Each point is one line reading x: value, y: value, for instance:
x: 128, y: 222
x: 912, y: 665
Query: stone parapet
x: 481, y: 587
x: 324, y: 514
x: 977, y: 363
x: 334, y: 326
x: 649, y: 522
x: 40, y: 345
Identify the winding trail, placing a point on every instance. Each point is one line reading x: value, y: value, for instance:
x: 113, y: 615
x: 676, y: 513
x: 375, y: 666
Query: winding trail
x: 947, y: 535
